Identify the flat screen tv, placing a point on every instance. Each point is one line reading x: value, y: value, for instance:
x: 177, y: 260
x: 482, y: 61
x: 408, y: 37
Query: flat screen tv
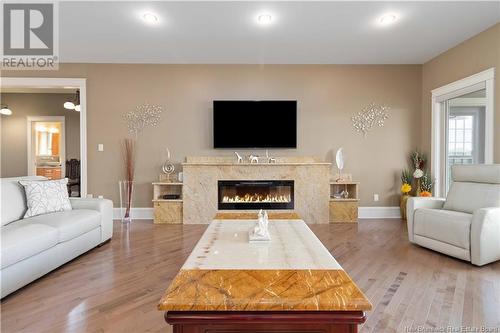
x: 255, y: 124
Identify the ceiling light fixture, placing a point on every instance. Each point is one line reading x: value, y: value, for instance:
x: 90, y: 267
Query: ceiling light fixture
x: 388, y: 19
x: 264, y: 19
x: 74, y: 104
x: 69, y: 105
x: 5, y: 110
x: 150, y: 18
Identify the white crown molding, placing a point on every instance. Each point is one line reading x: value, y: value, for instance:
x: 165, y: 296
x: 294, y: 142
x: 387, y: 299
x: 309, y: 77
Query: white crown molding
x: 146, y: 213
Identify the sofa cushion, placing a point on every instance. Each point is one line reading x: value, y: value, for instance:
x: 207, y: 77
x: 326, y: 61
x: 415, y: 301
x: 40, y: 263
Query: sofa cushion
x: 46, y: 196
x: 70, y: 224
x: 21, y: 240
x: 443, y: 225
x: 13, y: 198
x: 467, y: 196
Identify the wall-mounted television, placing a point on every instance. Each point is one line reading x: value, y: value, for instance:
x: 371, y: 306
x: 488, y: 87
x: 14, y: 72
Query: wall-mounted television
x: 255, y: 124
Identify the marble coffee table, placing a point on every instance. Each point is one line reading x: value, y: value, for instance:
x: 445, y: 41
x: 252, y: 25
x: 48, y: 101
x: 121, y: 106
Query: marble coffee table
x: 290, y: 284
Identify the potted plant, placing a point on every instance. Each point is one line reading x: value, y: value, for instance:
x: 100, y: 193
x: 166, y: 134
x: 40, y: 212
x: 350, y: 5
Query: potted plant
x: 418, y: 160
x: 406, y: 179
x: 426, y: 185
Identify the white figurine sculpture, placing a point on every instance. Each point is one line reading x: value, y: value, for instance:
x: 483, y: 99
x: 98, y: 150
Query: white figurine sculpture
x: 240, y: 159
x: 260, y: 232
x: 269, y: 158
x: 339, y: 159
x: 254, y: 159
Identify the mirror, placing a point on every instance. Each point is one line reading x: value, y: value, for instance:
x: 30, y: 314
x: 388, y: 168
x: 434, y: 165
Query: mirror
x: 48, y: 138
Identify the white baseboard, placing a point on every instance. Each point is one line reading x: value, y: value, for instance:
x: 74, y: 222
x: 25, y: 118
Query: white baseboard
x: 379, y: 213
x: 146, y: 213
x: 139, y: 213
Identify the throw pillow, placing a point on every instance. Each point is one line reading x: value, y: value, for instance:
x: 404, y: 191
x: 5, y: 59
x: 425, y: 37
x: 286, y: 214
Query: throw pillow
x: 46, y: 196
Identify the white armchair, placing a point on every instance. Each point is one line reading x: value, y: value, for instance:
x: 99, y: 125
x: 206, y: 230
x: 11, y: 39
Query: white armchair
x: 466, y: 224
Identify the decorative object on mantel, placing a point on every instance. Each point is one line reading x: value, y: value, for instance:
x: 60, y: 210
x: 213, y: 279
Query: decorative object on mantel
x: 260, y: 233
x: 253, y: 158
x: 406, y: 179
x: 370, y: 116
x: 168, y: 168
x: 269, y: 158
x: 126, y: 186
x: 239, y: 158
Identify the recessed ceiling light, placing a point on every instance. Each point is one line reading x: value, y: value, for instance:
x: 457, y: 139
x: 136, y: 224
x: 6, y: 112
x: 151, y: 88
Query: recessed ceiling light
x: 388, y: 19
x: 264, y: 19
x: 150, y: 18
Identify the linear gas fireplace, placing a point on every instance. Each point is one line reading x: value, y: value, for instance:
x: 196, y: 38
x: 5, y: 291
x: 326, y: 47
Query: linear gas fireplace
x: 255, y: 194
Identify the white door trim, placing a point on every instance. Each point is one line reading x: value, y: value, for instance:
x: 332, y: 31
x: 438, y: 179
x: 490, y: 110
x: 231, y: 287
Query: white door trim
x: 31, y: 169
x: 49, y: 82
x: 485, y: 77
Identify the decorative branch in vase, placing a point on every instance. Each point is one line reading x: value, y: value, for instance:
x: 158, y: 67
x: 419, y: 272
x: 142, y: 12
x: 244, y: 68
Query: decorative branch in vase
x: 144, y: 115
x: 127, y: 185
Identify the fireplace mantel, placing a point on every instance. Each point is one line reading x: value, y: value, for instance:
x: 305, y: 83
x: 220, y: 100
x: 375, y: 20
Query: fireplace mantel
x: 201, y: 174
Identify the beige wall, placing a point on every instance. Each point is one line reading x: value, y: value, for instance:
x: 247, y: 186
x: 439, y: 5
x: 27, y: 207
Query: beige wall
x: 472, y: 56
x: 327, y: 95
x: 14, y: 128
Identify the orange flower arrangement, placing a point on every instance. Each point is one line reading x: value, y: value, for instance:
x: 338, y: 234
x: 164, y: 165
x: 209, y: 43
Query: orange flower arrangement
x: 425, y: 194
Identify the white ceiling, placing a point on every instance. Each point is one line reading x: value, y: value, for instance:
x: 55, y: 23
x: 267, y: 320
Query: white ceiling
x: 302, y: 32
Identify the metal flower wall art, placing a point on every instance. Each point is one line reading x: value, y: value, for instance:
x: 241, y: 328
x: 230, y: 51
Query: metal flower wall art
x: 143, y: 115
x: 371, y: 116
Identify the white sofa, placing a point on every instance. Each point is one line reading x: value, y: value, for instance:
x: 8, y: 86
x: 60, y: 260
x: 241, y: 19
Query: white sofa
x: 32, y: 247
x: 466, y: 224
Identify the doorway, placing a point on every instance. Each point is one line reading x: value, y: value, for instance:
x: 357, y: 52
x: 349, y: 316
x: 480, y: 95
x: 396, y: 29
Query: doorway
x: 462, y: 126
x: 47, y: 147
x: 61, y: 85
x: 465, y: 131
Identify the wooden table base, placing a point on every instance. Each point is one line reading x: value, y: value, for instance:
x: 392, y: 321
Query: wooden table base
x: 265, y: 321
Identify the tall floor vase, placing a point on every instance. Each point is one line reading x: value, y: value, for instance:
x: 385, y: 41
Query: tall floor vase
x: 126, y: 195
x: 402, y: 205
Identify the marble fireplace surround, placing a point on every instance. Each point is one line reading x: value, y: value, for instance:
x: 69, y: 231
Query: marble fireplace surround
x: 311, y: 179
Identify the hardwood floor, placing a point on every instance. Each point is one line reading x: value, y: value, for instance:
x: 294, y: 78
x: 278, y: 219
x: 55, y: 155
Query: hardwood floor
x: 116, y: 287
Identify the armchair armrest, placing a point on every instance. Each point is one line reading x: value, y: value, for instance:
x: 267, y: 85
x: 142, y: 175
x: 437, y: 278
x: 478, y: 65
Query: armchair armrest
x: 485, y: 236
x: 415, y: 203
x: 104, y: 207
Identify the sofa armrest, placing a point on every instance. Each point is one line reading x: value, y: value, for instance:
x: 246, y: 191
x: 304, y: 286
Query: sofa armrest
x: 485, y: 236
x: 104, y: 207
x: 415, y: 203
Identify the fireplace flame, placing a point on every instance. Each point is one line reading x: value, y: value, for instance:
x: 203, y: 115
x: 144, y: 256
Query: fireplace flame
x: 256, y: 198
